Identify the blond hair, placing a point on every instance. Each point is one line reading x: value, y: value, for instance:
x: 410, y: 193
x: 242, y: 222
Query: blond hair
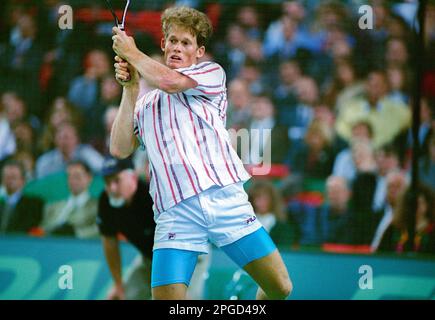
x: 194, y: 21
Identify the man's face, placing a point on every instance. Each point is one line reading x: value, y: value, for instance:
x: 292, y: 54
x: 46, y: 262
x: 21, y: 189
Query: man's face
x: 66, y: 139
x: 78, y: 179
x: 121, y: 186
x: 376, y: 87
x: 181, y: 49
x: 12, y: 179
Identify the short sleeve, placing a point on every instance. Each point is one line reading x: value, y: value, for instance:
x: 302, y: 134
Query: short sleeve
x: 210, y: 77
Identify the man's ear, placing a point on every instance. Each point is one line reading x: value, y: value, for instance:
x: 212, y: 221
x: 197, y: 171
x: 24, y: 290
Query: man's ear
x: 162, y: 44
x: 200, y: 52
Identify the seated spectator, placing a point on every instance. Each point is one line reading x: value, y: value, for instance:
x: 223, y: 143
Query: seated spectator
x: 396, y: 237
x: 366, y: 217
x: 21, y: 61
x: 344, y: 164
x: 19, y: 213
x: 284, y: 40
x: 231, y: 52
x: 7, y: 139
x: 335, y: 213
x: 387, y: 160
x: 75, y: 216
x: 25, y: 138
x: 314, y: 159
x: 396, y: 184
x: 285, y: 94
x: 68, y: 148
x: 251, y: 73
x: 16, y: 110
x: 328, y: 222
x: 301, y: 115
x: 110, y: 94
x: 398, y: 81
x: 344, y: 86
x: 268, y: 207
x: 427, y: 165
x: 388, y: 117
x: 269, y: 141
x: 239, y: 105
x: 83, y: 91
x: 59, y: 112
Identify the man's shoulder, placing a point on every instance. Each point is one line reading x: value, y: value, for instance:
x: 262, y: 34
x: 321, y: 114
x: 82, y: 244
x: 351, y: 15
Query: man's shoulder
x: 201, y: 67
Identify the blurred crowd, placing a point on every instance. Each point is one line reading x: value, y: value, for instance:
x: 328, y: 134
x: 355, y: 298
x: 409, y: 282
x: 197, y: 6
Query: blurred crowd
x: 334, y: 102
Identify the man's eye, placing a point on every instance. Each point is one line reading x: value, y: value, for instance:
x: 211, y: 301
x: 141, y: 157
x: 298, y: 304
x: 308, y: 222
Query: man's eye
x: 173, y: 41
x: 185, y: 43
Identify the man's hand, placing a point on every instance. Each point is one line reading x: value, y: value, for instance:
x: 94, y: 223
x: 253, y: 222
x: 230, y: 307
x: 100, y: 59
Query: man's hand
x: 125, y: 73
x: 116, y: 293
x: 123, y: 45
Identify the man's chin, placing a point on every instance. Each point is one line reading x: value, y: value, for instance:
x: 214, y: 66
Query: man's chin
x: 176, y: 64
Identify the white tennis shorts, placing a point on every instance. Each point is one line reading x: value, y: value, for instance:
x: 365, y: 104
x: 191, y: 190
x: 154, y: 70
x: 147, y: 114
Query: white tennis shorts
x: 222, y: 215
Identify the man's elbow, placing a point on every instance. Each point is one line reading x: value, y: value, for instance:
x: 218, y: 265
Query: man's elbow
x: 117, y: 153
x: 168, y: 85
x: 175, y: 82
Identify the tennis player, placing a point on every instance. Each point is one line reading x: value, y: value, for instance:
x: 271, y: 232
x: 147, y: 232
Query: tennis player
x: 196, y: 176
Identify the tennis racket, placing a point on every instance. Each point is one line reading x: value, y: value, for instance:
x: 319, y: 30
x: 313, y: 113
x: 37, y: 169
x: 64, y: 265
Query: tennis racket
x: 119, y: 23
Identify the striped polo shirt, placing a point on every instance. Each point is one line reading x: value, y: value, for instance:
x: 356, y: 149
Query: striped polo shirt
x: 184, y: 134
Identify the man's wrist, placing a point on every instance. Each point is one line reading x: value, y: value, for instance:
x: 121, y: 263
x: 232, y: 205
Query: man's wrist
x: 133, y: 56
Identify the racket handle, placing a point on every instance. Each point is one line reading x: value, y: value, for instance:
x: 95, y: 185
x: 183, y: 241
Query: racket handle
x: 121, y: 27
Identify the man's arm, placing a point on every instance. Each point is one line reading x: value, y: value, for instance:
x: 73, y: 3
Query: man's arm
x: 122, y: 139
x: 113, y: 258
x: 156, y: 74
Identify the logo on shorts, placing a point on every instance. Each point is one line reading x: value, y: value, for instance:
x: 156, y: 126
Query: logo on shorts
x: 251, y: 219
x: 171, y: 236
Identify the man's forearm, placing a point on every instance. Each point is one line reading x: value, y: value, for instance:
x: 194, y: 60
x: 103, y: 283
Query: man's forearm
x: 122, y: 139
x: 113, y: 258
x: 158, y: 75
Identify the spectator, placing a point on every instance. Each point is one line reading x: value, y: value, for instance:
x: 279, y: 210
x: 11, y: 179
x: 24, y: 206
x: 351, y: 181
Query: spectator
x: 7, y: 139
x: 335, y: 214
x: 68, y: 148
x: 314, y: 159
x: 268, y: 207
x: 344, y: 164
x: 345, y: 85
x: 269, y: 141
x: 252, y: 74
x: 249, y: 20
x: 75, y: 216
x: 60, y: 111
x: 387, y: 117
x: 284, y: 40
x: 25, y: 138
x: 398, y: 80
x: 302, y: 114
x: 239, y: 105
x: 21, y: 61
x: 285, y: 95
x: 396, y: 237
x: 16, y: 110
x: 396, y: 185
x: 231, y: 51
x: 387, y: 160
x: 427, y: 165
x: 84, y: 90
x: 19, y: 213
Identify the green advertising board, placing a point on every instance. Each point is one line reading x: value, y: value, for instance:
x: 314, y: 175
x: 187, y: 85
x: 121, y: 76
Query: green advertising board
x: 58, y: 268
